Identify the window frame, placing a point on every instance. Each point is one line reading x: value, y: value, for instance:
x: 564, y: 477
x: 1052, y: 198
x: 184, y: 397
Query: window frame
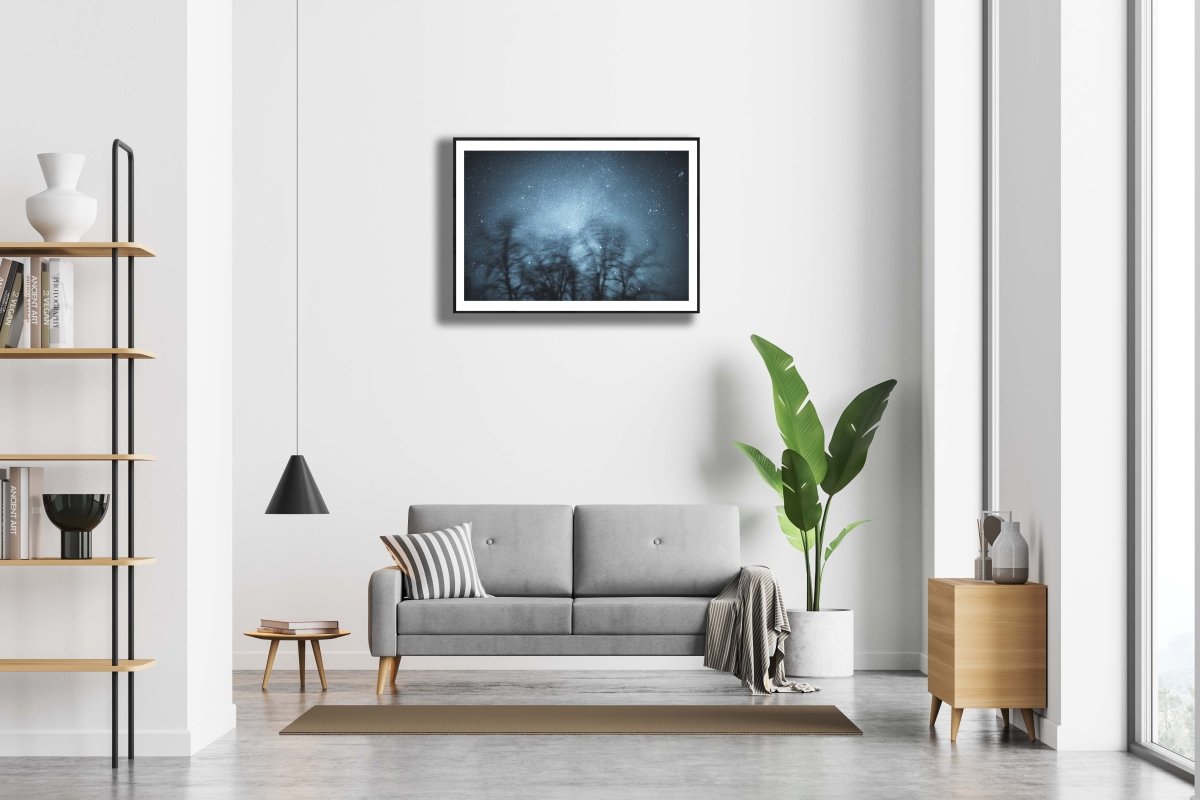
x: 1141, y: 424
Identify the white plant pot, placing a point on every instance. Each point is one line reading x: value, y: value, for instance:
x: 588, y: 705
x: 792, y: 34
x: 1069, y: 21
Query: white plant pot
x: 821, y: 644
x: 61, y: 213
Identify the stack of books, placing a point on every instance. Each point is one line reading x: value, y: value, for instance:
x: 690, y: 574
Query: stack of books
x: 298, y: 628
x: 22, y: 531
x: 37, y: 302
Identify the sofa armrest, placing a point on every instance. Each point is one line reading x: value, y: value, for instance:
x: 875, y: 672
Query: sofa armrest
x: 385, y: 591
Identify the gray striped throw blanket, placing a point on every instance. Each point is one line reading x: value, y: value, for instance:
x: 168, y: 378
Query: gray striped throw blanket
x: 747, y: 630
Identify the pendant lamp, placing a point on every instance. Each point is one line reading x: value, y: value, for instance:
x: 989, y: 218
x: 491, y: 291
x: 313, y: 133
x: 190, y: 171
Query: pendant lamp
x: 297, y: 491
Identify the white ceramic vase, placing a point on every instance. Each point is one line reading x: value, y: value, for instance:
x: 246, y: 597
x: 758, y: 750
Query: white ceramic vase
x: 821, y: 644
x: 61, y: 213
x: 1010, y: 555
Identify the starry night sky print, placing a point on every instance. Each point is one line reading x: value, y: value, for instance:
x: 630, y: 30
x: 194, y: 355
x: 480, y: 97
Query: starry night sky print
x: 576, y: 225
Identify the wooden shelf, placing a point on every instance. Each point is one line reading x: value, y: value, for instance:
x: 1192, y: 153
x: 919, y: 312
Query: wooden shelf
x: 78, y: 353
x: 76, y: 249
x: 127, y: 561
x: 22, y: 457
x: 74, y: 664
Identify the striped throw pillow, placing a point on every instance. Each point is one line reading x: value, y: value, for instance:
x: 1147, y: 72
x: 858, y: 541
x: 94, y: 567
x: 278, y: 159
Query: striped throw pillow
x: 439, y: 564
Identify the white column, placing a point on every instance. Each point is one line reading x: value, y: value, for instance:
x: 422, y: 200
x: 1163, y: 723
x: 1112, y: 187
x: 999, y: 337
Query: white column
x: 210, y: 710
x: 952, y: 293
x: 1093, y: 541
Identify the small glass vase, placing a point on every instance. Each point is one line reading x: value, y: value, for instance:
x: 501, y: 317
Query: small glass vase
x: 983, y: 566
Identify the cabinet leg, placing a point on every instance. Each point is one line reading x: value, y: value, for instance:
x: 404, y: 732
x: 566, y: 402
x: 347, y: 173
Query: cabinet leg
x: 955, y: 719
x: 270, y: 662
x: 1004, y: 714
x: 316, y: 646
x: 935, y: 705
x: 385, y: 671
x: 1027, y: 715
x: 300, y: 646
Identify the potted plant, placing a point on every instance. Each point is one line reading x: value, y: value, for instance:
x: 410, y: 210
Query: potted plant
x: 822, y: 639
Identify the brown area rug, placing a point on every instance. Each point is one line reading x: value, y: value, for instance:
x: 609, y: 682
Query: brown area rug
x: 585, y: 720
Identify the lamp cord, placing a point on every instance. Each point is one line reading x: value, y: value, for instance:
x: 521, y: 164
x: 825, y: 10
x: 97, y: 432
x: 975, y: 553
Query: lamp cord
x: 297, y: 227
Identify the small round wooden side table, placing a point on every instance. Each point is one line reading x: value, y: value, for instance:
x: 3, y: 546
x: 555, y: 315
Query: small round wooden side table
x: 299, y: 638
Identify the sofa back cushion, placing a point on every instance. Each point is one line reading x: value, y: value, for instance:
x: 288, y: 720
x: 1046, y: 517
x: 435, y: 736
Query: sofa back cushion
x: 654, y: 550
x: 520, y: 551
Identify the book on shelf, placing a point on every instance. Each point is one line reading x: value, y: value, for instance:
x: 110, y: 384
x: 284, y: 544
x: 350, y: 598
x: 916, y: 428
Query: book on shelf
x: 11, y: 300
x: 31, y: 331
x: 44, y: 313
x: 37, y: 303
x: 7, y: 265
x: 5, y: 488
x: 25, y: 514
x: 62, y: 302
x: 31, y: 321
x: 293, y: 626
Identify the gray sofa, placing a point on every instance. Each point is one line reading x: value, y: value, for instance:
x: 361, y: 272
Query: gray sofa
x: 593, y: 580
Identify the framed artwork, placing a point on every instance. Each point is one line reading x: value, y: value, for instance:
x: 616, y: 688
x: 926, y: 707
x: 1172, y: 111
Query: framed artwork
x: 577, y: 225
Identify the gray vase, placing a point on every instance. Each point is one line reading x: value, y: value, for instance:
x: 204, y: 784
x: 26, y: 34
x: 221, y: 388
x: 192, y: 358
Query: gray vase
x: 1010, y: 555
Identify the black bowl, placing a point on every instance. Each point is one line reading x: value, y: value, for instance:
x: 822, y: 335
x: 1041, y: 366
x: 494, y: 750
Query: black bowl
x: 75, y: 512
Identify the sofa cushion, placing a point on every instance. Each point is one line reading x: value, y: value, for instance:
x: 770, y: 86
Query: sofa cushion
x: 639, y: 615
x: 519, y: 550
x: 654, y: 550
x: 503, y: 616
x: 438, y: 564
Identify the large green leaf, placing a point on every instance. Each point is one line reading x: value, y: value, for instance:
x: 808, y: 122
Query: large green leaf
x: 801, y: 502
x: 795, y: 414
x: 766, y: 467
x: 801, y: 540
x: 853, y: 436
x: 829, y: 548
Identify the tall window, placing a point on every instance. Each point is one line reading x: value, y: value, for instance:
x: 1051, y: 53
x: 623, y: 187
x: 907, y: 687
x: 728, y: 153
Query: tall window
x: 1164, y: 236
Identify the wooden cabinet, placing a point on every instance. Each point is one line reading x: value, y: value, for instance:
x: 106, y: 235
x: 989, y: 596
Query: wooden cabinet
x: 987, y: 648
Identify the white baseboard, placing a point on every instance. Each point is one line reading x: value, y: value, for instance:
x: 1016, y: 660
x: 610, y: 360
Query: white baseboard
x: 213, y: 728
x: 1047, y: 729
x: 887, y: 660
x: 363, y: 660
x: 148, y: 744
x: 923, y: 664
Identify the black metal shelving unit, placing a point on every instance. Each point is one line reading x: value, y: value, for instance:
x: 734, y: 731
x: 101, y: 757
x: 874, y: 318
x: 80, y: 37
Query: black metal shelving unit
x: 117, y: 148
x: 116, y: 249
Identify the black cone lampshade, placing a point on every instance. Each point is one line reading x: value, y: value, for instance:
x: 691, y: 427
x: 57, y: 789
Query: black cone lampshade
x: 297, y: 492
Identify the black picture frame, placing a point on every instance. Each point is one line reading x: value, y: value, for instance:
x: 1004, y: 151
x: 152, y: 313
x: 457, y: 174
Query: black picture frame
x: 646, y: 282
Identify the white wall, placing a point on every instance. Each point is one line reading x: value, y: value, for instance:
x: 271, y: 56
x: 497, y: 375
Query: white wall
x: 1062, y: 267
x: 92, y: 72
x: 809, y: 115
x: 952, y: 288
x: 1028, y: 149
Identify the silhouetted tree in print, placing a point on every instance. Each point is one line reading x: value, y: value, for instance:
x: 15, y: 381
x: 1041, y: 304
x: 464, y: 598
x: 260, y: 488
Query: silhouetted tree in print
x: 550, y: 273
x: 495, y: 274
x: 631, y: 279
x: 603, y: 250
x: 596, y: 263
x: 611, y: 268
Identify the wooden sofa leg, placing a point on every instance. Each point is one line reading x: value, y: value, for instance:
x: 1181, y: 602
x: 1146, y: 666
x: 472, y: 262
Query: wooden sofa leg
x: 387, y: 672
x: 395, y: 669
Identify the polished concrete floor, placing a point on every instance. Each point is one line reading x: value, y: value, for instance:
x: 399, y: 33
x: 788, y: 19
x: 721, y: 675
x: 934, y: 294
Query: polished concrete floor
x: 898, y: 756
